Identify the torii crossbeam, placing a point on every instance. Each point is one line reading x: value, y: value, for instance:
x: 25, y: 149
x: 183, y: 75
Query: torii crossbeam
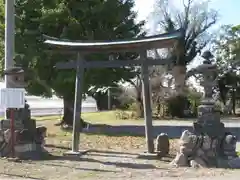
x: 139, y: 45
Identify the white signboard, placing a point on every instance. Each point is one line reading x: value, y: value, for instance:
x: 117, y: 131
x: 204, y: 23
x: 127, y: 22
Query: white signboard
x: 12, y: 97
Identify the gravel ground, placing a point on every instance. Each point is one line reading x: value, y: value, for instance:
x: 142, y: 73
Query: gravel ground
x: 109, y: 157
x: 105, y: 165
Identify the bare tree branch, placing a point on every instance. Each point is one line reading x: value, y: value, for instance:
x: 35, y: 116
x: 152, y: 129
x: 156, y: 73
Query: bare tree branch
x: 195, y: 20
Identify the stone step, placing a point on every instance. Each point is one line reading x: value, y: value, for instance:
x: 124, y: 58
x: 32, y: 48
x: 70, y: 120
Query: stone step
x: 6, y: 124
x: 18, y: 125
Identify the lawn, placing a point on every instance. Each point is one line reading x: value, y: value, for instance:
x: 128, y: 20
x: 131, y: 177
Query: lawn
x: 92, y: 117
x: 110, y: 118
x: 105, y: 117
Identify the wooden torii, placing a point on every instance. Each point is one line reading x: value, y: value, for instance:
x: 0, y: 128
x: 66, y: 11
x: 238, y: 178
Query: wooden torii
x: 138, y: 45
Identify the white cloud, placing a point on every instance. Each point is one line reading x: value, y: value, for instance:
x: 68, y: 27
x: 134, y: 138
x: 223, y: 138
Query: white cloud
x: 143, y: 7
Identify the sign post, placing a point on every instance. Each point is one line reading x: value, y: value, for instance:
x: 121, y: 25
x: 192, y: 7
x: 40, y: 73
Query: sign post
x: 11, y: 98
x: 12, y: 129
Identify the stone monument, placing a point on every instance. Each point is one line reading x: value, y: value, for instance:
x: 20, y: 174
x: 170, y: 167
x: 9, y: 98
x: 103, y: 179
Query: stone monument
x: 209, y: 145
x: 29, y: 139
x: 162, y: 143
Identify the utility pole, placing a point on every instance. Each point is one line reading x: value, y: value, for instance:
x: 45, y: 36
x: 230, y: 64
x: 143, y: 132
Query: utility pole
x: 109, y: 99
x: 9, y: 37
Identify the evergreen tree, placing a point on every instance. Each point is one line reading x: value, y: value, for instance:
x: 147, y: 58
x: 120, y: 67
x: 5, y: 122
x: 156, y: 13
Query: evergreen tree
x: 74, y: 20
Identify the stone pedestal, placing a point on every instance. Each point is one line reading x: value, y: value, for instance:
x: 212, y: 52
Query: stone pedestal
x: 208, y: 122
x: 209, y: 145
x: 29, y: 139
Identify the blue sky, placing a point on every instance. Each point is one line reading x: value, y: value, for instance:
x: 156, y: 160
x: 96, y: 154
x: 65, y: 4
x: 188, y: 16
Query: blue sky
x: 229, y: 10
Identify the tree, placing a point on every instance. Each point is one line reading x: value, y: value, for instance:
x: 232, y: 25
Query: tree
x: 161, y: 88
x: 195, y: 20
x: 74, y: 20
x: 137, y: 95
x: 227, y: 51
x: 157, y: 76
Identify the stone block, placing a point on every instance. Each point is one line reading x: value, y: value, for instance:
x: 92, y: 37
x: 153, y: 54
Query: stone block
x: 21, y: 148
x: 6, y: 124
x: 198, y: 128
x: 202, y: 109
x: 197, y: 163
x: 2, y: 136
x: 7, y: 135
x: 210, y: 128
x: 26, y: 135
x: 234, y: 163
x: 180, y: 160
x: 30, y: 124
x: 162, y: 142
x: 228, y: 145
x: 41, y: 131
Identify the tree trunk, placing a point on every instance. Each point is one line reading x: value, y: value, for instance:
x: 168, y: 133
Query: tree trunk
x: 101, y: 100
x: 234, y: 101
x: 179, y: 74
x: 159, y: 109
x: 68, y: 108
x: 140, y: 111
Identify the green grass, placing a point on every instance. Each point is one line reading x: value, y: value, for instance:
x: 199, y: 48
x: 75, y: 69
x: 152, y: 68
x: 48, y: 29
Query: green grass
x: 238, y: 153
x: 108, y: 117
x: 41, y: 118
x: 104, y: 117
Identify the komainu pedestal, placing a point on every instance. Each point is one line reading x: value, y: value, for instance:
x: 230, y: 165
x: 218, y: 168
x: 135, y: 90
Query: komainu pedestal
x: 28, y: 138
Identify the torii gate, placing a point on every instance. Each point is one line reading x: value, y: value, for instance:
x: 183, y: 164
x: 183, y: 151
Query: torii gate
x: 139, y: 45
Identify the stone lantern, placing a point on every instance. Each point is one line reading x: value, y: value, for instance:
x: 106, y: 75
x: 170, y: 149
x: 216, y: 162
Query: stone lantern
x: 16, y: 75
x: 208, y: 116
x: 207, y: 55
x: 209, y: 145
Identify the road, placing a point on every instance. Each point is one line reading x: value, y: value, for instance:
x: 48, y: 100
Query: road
x: 43, y: 106
x: 228, y: 122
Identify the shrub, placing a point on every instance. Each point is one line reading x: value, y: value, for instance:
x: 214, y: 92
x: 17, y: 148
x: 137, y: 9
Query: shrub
x: 194, y: 99
x: 176, y: 106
